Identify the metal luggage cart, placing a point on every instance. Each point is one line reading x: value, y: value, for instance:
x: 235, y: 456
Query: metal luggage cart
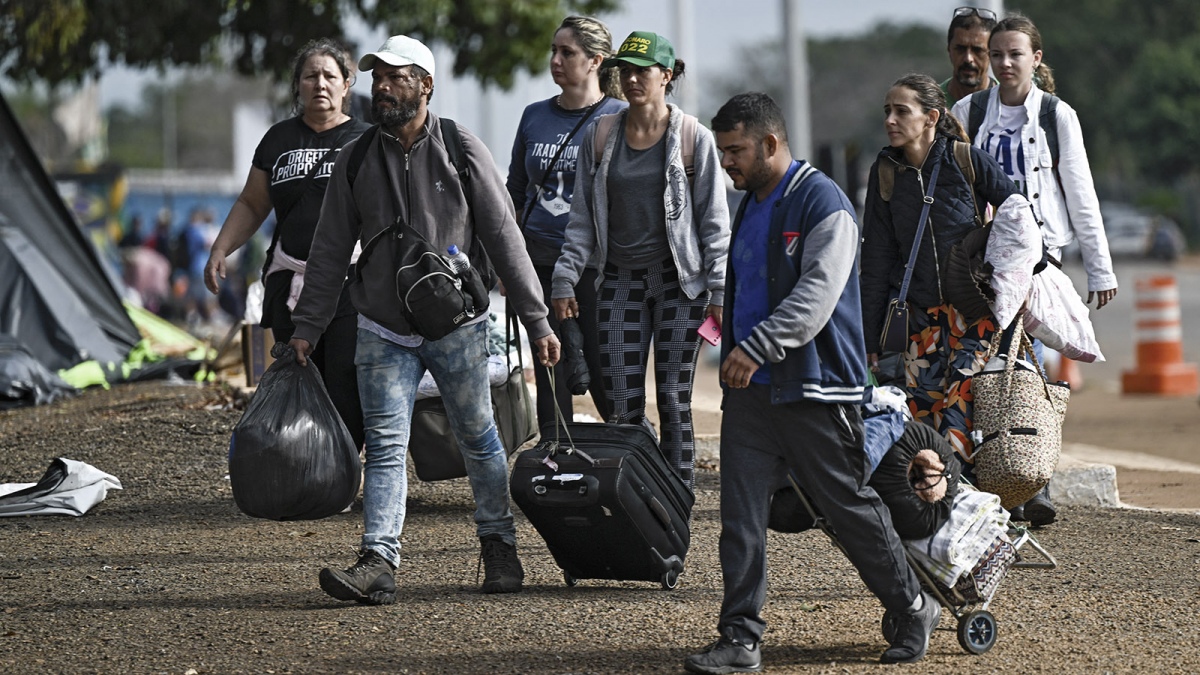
x: 976, y: 625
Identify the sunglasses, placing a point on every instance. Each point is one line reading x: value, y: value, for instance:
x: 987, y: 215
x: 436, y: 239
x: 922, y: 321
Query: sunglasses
x: 985, y: 14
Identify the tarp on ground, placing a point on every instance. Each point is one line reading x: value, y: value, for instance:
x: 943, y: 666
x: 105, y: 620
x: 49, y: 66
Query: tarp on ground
x: 65, y: 274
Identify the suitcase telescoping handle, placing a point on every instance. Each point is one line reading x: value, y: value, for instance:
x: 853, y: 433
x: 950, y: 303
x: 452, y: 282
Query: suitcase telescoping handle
x: 561, y: 427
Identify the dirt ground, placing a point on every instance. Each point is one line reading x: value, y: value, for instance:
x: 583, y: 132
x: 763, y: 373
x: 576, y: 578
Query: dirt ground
x: 167, y: 576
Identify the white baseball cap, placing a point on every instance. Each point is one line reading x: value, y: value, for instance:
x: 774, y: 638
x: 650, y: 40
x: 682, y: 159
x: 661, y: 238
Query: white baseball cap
x: 399, y: 50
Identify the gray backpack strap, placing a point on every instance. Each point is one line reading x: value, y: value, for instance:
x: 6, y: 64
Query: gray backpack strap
x: 1048, y: 121
x: 979, y: 101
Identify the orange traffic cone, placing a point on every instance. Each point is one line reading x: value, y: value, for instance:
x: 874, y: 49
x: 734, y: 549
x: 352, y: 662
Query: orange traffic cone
x: 1159, y: 335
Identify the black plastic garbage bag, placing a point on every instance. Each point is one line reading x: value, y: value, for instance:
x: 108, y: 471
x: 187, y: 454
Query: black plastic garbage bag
x: 291, y: 457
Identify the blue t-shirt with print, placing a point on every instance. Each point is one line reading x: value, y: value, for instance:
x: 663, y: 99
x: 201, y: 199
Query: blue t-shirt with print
x: 544, y: 127
x: 749, y: 257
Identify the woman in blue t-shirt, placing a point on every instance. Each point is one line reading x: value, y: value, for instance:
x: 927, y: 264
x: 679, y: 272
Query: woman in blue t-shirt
x: 288, y: 174
x: 541, y: 180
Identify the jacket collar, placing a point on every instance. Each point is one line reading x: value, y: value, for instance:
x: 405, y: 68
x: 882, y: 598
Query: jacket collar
x: 896, y: 155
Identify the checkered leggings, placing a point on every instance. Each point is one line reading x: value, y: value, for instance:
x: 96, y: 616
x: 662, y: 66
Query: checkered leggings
x: 635, y: 306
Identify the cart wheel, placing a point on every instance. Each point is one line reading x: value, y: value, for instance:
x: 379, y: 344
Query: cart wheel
x: 670, y: 579
x: 570, y: 580
x: 977, y: 631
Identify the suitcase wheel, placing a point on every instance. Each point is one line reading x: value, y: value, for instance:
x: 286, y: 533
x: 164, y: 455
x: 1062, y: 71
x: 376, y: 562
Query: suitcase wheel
x: 570, y: 580
x: 670, y: 579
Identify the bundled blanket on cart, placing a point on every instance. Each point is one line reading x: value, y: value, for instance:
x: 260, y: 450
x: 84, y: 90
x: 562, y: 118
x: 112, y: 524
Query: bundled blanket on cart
x: 972, y: 546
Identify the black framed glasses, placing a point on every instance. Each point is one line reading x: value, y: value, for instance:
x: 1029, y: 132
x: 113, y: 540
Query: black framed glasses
x: 985, y: 14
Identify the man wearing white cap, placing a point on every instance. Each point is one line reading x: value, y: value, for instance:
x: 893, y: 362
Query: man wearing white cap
x: 404, y: 174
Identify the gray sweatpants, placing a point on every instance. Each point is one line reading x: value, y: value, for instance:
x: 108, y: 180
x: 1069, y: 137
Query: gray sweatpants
x: 822, y: 444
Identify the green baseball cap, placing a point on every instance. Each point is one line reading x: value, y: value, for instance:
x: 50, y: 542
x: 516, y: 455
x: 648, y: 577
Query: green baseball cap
x: 643, y: 48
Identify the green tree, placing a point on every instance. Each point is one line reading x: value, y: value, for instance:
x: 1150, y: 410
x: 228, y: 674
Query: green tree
x: 1130, y: 69
x: 62, y: 41
x: 848, y: 79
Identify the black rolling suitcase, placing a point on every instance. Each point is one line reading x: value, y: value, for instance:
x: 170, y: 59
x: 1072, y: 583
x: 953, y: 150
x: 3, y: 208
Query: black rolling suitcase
x: 606, y: 502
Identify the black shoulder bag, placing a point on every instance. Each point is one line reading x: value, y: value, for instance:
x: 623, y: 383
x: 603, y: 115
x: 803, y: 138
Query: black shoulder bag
x: 895, y: 326
x: 435, y: 299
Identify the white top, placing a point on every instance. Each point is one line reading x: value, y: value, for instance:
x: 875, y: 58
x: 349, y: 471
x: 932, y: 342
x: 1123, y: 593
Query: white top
x: 1003, y: 143
x: 1071, y: 212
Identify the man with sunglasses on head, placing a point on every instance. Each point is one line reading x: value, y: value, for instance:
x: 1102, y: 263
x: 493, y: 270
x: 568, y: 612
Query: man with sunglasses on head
x: 967, y: 45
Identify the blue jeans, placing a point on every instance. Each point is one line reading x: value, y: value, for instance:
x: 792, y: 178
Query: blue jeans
x: 388, y: 375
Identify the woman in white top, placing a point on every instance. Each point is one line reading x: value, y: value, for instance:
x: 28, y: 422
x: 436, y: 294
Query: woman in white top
x: 1063, y: 196
x: 1057, y: 180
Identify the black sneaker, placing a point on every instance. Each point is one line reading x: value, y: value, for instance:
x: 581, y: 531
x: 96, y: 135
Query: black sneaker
x: 502, y: 572
x: 1039, y: 511
x: 368, y: 581
x: 910, y: 631
x: 726, y: 655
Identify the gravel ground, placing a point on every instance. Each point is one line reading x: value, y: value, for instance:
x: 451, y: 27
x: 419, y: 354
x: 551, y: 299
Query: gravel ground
x: 167, y: 576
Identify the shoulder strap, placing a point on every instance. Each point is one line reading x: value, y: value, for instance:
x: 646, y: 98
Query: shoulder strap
x: 962, y: 155
x: 289, y: 208
x: 452, y: 139
x: 687, y: 145
x: 359, y: 152
x: 604, y: 127
x: 558, y: 153
x: 979, y: 101
x: 916, y: 247
x: 887, y: 178
x: 1048, y: 121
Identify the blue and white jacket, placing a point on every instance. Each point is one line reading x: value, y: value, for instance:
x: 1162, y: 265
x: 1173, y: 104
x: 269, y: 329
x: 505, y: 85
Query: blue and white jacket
x: 812, y: 342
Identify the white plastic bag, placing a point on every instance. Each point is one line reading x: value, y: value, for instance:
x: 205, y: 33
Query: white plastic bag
x: 67, y: 488
x: 1059, y: 318
x: 1014, y: 249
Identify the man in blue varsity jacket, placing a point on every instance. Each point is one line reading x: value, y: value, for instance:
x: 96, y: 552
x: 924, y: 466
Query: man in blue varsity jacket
x: 793, y: 369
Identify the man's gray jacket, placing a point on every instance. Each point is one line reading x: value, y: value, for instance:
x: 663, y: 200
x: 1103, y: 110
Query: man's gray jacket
x: 422, y: 186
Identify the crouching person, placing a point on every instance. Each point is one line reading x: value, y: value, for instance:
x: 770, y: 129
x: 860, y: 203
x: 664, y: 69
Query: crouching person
x: 793, y: 370
x: 405, y: 173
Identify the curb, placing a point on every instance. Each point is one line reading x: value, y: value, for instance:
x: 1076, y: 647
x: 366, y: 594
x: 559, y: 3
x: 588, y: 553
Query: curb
x: 1077, y: 482
x: 1081, y: 483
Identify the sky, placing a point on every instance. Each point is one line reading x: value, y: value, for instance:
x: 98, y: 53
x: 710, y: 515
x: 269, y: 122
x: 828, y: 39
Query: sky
x: 721, y: 29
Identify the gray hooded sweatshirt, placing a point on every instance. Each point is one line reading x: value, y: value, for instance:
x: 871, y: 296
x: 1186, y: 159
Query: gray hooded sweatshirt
x: 697, y: 219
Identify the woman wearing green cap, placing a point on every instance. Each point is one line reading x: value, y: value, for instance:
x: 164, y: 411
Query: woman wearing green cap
x: 650, y: 212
